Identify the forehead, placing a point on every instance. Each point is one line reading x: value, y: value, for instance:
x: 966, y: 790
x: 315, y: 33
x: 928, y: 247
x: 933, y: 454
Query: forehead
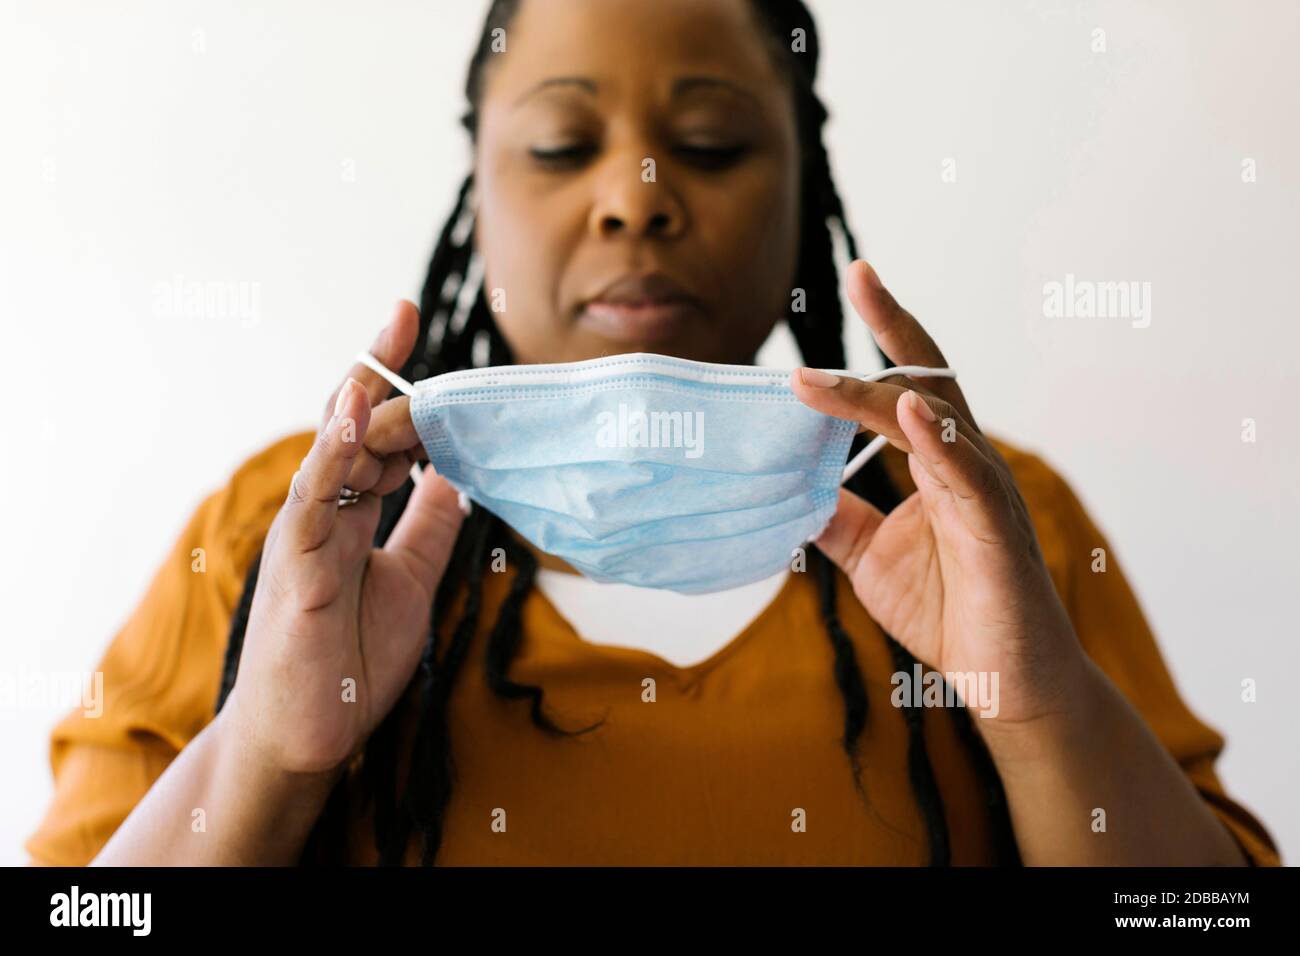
x: 631, y: 46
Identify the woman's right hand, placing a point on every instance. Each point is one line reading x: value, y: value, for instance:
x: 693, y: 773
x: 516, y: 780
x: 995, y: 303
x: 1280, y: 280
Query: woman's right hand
x: 337, y: 627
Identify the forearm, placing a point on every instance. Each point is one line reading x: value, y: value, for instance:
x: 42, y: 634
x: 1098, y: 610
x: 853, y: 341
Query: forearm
x: 1101, y: 756
x: 250, y: 815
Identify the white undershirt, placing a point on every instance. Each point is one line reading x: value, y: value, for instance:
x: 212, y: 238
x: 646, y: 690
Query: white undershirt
x: 683, y: 629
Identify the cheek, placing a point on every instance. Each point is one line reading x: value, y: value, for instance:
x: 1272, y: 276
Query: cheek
x: 511, y: 239
x: 753, y: 234
x: 522, y: 244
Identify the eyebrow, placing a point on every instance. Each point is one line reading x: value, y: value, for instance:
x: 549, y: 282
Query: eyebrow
x: 681, y: 87
x: 689, y: 83
x: 581, y: 82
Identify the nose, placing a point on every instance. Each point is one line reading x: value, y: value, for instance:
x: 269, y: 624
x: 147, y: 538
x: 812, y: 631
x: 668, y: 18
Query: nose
x: 631, y: 203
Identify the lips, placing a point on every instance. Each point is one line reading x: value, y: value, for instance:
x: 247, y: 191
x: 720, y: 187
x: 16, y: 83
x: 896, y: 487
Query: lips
x: 640, y: 308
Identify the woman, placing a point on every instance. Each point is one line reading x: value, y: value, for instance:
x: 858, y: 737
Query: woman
x: 665, y: 191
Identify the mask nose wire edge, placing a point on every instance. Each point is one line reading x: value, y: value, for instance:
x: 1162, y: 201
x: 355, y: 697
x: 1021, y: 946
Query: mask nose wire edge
x: 851, y: 469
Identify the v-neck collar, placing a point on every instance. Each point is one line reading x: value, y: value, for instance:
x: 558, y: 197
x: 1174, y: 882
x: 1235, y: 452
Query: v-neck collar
x: 683, y: 677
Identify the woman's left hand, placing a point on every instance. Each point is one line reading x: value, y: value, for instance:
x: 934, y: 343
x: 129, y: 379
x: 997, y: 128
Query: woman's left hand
x: 955, y: 572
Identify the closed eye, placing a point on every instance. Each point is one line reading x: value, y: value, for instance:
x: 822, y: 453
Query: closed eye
x: 563, y: 157
x: 704, y: 156
x: 709, y: 156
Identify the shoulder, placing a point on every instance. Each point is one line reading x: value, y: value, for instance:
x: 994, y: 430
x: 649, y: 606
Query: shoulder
x: 161, y: 671
x: 1066, y: 533
x: 164, y: 663
x: 225, y: 530
x: 261, y: 480
x: 1034, y: 475
x: 240, y: 512
x: 1051, y: 500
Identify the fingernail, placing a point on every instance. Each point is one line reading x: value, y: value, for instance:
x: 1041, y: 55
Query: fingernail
x: 922, y: 407
x: 818, y: 378
x: 342, y: 400
x: 462, y: 499
x: 872, y: 276
x: 392, y: 317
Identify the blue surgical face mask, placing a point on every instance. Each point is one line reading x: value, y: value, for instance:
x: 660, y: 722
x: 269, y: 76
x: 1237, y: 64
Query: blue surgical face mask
x: 642, y: 469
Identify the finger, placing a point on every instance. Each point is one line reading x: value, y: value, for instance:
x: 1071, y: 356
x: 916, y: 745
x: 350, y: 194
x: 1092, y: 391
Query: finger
x: 380, y: 477
x: 312, y: 504
x: 874, y: 405
x: 850, y: 531
x: 392, y: 347
x: 427, y: 530
x: 391, y: 445
x: 973, y: 481
x: 899, y: 335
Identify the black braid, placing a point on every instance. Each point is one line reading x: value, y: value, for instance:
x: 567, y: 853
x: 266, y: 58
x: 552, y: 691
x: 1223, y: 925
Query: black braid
x: 503, y: 643
x: 452, y: 338
x: 428, y: 787
x: 818, y: 331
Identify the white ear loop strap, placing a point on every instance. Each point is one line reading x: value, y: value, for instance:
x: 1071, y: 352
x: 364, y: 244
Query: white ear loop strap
x: 851, y: 469
x: 880, y: 441
x: 406, y: 388
x: 393, y: 379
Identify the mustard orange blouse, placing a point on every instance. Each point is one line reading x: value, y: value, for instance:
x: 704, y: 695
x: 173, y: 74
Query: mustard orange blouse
x: 711, y: 772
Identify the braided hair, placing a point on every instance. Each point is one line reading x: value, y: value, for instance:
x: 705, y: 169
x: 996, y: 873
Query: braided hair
x: 457, y: 332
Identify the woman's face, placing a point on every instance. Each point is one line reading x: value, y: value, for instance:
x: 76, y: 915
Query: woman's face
x: 637, y: 179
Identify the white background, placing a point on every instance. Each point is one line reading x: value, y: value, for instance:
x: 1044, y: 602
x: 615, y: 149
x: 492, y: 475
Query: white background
x: 131, y: 158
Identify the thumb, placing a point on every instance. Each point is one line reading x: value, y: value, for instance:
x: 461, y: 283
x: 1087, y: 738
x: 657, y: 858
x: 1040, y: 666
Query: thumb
x: 849, y: 533
x: 427, y: 529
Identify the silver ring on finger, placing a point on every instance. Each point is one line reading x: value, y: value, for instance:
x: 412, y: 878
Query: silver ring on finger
x: 348, y: 497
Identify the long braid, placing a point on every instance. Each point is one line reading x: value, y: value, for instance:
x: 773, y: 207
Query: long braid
x: 457, y: 331
x: 503, y: 643
x: 872, y: 483
x: 818, y: 331
x: 436, y: 351
x: 428, y: 788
